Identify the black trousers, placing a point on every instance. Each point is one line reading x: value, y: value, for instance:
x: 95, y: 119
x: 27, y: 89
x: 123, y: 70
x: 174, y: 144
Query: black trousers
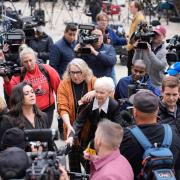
x: 50, y: 113
x: 129, y: 62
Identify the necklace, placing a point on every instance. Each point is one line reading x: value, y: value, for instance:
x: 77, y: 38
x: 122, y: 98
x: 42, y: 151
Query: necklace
x: 78, y: 92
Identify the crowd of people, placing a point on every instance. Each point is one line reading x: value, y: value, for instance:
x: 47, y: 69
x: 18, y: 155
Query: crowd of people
x: 92, y: 104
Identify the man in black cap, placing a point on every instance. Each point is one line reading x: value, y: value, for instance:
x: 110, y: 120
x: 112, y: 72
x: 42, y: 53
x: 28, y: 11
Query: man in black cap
x: 145, y: 112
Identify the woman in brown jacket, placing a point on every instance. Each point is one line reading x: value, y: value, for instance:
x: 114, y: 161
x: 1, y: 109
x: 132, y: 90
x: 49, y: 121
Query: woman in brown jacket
x: 74, y: 91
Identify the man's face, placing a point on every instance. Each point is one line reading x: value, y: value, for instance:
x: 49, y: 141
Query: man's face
x: 158, y: 39
x: 133, y: 9
x: 102, y: 23
x: 138, y: 71
x: 70, y: 36
x: 99, y: 34
x: 170, y: 96
x: 28, y: 61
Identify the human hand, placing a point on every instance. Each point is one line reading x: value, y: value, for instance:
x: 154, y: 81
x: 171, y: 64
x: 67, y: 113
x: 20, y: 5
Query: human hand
x: 88, y: 97
x: 6, y: 48
x: 70, y: 141
x: 77, y: 47
x: 64, y: 175
x: 69, y: 130
x: 93, y: 51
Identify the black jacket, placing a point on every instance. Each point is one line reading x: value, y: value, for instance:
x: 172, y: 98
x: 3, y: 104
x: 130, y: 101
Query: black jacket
x: 42, y: 46
x: 93, y: 116
x: 166, y: 117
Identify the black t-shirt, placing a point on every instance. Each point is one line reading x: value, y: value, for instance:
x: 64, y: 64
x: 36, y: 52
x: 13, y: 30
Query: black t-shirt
x: 133, y: 151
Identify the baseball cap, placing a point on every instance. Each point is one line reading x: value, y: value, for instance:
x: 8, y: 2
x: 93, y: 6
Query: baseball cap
x: 145, y: 101
x: 160, y: 30
x: 174, y: 69
x: 13, y: 163
x: 13, y: 137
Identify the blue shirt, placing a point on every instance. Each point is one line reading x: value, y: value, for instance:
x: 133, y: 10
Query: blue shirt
x: 122, y: 87
x: 61, y: 54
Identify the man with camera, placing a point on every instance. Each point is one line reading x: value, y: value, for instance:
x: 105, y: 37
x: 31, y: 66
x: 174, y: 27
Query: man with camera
x: 135, y: 9
x: 101, y: 58
x: 11, y: 45
x: 138, y: 80
x: 154, y: 55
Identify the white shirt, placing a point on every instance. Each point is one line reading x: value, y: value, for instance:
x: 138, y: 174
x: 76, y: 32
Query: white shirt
x: 104, y: 107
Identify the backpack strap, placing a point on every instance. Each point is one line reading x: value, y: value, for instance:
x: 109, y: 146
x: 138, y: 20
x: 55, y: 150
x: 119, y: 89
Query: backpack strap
x: 23, y: 73
x: 140, y: 137
x: 167, y: 135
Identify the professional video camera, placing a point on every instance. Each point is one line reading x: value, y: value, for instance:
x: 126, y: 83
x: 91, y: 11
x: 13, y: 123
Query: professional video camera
x: 13, y: 39
x: 133, y: 88
x: 9, y: 69
x: 173, y: 54
x: 144, y: 34
x: 45, y: 165
x: 85, y: 37
x: 45, y: 136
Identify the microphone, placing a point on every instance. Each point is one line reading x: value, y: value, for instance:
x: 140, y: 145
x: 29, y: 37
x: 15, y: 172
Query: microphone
x: 126, y: 116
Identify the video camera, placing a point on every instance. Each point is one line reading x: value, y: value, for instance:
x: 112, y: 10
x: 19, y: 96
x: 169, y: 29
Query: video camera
x: 13, y: 39
x: 173, y: 48
x: 144, y: 34
x: 85, y: 37
x: 45, y: 165
x: 9, y: 69
x: 133, y: 88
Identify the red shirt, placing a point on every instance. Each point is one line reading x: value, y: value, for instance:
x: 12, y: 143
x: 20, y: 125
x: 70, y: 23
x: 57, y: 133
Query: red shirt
x: 39, y: 83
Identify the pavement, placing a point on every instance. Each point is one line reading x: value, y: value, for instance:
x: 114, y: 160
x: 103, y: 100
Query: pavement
x: 58, y: 14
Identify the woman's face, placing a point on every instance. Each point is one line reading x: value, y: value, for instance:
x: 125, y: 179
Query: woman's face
x: 29, y: 95
x: 102, y: 23
x: 28, y: 61
x: 76, y: 74
x: 101, y: 95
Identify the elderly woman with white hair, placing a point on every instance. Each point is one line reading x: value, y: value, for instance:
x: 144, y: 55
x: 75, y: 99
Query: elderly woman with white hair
x: 102, y: 106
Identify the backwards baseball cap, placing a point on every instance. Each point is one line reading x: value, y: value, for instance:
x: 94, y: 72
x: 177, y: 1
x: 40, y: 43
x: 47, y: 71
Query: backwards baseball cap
x: 13, y: 163
x: 145, y: 101
x: 160, y: 30
x: 174, y: 69
x: 13, y: 137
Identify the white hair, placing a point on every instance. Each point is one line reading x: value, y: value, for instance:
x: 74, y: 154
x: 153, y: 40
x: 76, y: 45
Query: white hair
x: 104, y: 83
x: 27, y: 50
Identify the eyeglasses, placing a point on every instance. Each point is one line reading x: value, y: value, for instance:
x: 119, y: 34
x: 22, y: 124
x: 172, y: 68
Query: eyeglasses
x: 78, y: 73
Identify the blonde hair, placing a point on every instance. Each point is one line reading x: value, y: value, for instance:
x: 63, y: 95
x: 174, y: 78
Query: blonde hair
x: 82, y: 65
x: 2, y: 104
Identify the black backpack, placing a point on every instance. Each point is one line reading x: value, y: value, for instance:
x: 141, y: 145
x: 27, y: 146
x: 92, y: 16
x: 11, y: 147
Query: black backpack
x: 157, y: 161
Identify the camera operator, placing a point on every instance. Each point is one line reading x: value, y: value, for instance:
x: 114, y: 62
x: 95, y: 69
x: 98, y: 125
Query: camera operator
x: 135, y: 9
x: 102, y: 57
x: 41, y: 44
x: 140, y: 75
x: 154, y: 56
x: 11, y: 51
x: 44, y: 80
